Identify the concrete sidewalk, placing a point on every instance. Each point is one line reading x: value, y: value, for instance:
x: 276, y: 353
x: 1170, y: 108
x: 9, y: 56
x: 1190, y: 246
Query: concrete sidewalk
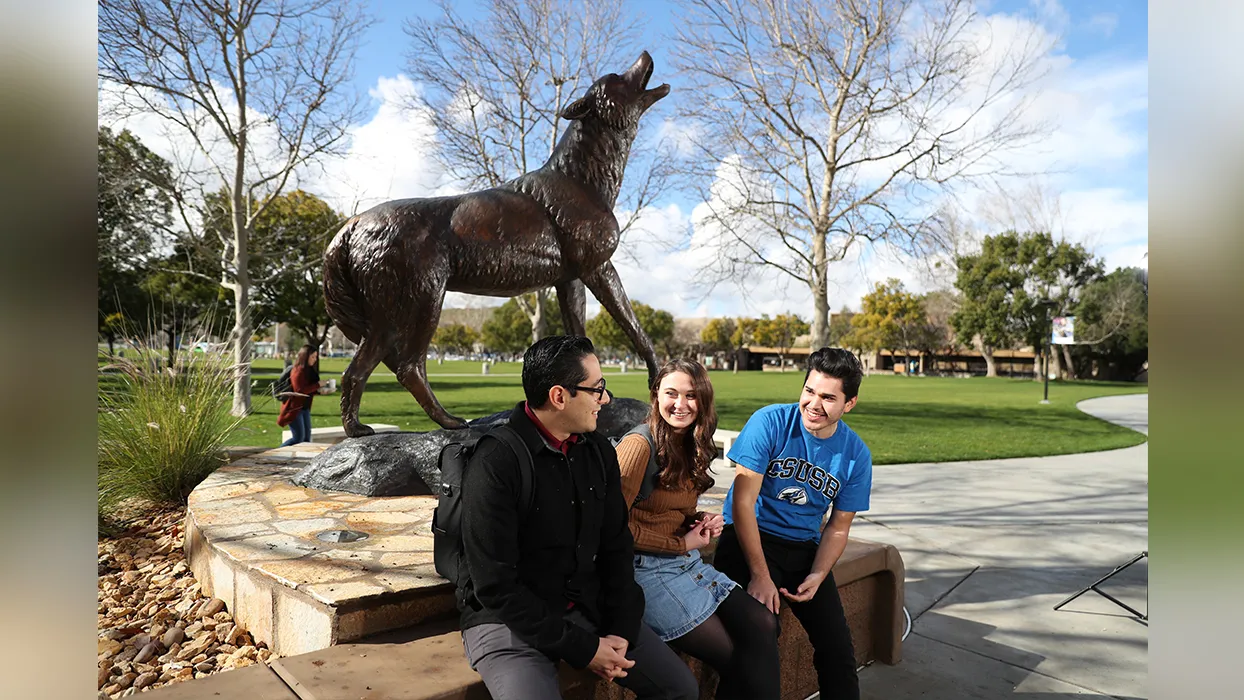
x: 990, y: 548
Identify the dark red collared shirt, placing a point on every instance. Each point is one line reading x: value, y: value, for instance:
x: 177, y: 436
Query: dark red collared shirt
x: 561, y: 445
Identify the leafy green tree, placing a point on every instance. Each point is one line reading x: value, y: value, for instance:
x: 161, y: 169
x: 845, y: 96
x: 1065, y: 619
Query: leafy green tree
x: 294, y: 228
x: 840, y: 327
x: 454, y: 337
x: 605, y: 332
x: 1012, y: 288
x: 1060, y: 272
x: 132, y: 212
x: 1112, y: 325
x: 892, y: 319
x: 780, y: 332
x: 716, y: 334
x: 744, y: 334
x: 994, y: 300
x: 508, y: 330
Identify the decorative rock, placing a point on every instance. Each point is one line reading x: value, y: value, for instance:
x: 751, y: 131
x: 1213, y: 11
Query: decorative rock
x: 105, y: 672
x: 405, y: 464
x: 109, y: 647
x: 141, y: 640
x: 148, y: 652
x: 125, y: 680
x: 212, y: 607
x: 205, y: 666
x: 173, y: 636
x: 234, y: 634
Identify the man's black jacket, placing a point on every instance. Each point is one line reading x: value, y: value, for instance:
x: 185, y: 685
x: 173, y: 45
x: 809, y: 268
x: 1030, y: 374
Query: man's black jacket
x: 572, y: 546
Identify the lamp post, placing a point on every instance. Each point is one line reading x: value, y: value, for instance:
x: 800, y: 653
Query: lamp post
x: 1045, y: 350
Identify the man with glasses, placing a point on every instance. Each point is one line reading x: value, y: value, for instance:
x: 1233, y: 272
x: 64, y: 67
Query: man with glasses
x: 555, y: 580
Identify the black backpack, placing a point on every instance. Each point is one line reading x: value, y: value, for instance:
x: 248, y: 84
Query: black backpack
x: 653, y: 470
x: 447, y: 552
x: 284, y: 384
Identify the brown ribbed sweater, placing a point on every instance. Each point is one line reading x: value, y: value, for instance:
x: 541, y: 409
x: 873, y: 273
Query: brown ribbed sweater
x: 658, y: 522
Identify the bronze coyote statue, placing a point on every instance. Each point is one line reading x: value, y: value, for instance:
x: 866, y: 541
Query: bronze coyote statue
x: 387, y: 270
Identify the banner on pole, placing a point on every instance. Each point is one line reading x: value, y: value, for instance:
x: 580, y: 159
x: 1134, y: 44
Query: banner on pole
x: 1064, y: 330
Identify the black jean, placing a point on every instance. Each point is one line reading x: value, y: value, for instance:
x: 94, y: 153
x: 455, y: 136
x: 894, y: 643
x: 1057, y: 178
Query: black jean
x: 822, y: 617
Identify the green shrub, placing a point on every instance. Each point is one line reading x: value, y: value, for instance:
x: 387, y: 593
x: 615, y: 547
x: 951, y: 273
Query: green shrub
x: 162, y: 430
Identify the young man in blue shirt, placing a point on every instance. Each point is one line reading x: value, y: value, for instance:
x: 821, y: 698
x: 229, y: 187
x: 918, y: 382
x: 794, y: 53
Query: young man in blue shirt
x: 794, y: 462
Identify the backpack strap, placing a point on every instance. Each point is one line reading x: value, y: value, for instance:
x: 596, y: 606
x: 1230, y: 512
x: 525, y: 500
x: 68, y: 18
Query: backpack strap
x: 526, y: 467
x: 600, y: 456
x: 653, y: 469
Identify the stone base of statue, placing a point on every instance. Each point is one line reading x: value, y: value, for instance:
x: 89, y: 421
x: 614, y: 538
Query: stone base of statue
x: 405, y: 464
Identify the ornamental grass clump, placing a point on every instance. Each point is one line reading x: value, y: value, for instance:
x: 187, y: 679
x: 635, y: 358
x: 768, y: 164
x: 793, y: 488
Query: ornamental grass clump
x: 163, y: 425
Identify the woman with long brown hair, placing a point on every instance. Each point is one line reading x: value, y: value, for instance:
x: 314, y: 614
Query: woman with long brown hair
x: 688, y: 603
x: 296, y: 407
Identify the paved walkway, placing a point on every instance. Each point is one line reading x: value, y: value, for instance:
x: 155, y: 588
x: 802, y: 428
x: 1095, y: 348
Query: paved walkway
x: 990, y: 548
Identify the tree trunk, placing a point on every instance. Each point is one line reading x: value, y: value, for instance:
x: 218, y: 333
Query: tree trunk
x: 241, y: 247
x: 820, y: 294
x: 991, y: 369
x: 1071, y: 365
x: 1056, y: 357
x: 172, y: 347
x: 1037, y: 368
x: 111, y: 350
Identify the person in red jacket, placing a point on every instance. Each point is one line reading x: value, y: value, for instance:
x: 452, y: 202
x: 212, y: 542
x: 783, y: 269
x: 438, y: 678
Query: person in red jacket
x: 296, y: 406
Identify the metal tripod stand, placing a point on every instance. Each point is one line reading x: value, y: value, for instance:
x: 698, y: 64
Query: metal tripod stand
x: 1094, y: 587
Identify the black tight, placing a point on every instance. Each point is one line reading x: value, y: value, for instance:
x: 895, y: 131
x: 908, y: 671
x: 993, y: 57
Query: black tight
x: 739, y: 641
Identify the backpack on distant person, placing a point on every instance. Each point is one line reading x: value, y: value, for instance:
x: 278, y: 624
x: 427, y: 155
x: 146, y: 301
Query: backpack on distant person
x: 284, y: 384
x: 653, y: 469
x: 447, y: 552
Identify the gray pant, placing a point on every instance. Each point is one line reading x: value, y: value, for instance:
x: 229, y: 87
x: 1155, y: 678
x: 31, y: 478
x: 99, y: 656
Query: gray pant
x: 514, y: 670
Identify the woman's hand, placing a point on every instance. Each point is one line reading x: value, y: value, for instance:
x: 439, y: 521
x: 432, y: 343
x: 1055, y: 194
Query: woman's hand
x: 713, y: 523
x: 696, y: 537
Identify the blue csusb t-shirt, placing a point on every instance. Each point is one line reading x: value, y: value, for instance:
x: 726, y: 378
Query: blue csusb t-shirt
x: 803, y: 474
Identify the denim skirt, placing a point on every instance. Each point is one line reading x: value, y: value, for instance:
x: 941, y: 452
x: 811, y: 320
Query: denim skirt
x: 680, y: 591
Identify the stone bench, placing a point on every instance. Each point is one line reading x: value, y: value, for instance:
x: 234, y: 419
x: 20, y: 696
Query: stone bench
x: 335, y: 434
x: 427, y: 662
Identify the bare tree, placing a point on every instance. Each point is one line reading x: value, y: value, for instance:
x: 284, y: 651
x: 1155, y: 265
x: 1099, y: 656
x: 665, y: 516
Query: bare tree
x: 493, y: 86
x: 821, y: 125
x: 256, y: 89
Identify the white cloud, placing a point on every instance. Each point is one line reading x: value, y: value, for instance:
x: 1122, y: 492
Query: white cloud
x: 389, y: 156
x: 1103, y: 23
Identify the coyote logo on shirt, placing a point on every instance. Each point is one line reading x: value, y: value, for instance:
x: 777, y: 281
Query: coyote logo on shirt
x: 794, y: 495
x: 804, y: 472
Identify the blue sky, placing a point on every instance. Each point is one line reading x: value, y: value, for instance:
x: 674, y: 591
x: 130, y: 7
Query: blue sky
x: 1095, y: 94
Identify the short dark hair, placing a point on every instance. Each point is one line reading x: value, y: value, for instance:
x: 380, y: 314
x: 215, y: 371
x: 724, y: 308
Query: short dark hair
x: 554, y: 361
x: 839, y: 363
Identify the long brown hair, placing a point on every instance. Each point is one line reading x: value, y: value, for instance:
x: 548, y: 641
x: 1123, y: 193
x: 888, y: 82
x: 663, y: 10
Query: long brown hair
x: 304, y: 356
x: 685, y: 458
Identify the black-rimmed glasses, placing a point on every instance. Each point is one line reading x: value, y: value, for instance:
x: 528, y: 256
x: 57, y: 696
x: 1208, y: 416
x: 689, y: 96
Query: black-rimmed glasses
x: 598, y: 390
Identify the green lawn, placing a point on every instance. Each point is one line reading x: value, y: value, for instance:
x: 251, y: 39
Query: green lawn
x: 903, y: 419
